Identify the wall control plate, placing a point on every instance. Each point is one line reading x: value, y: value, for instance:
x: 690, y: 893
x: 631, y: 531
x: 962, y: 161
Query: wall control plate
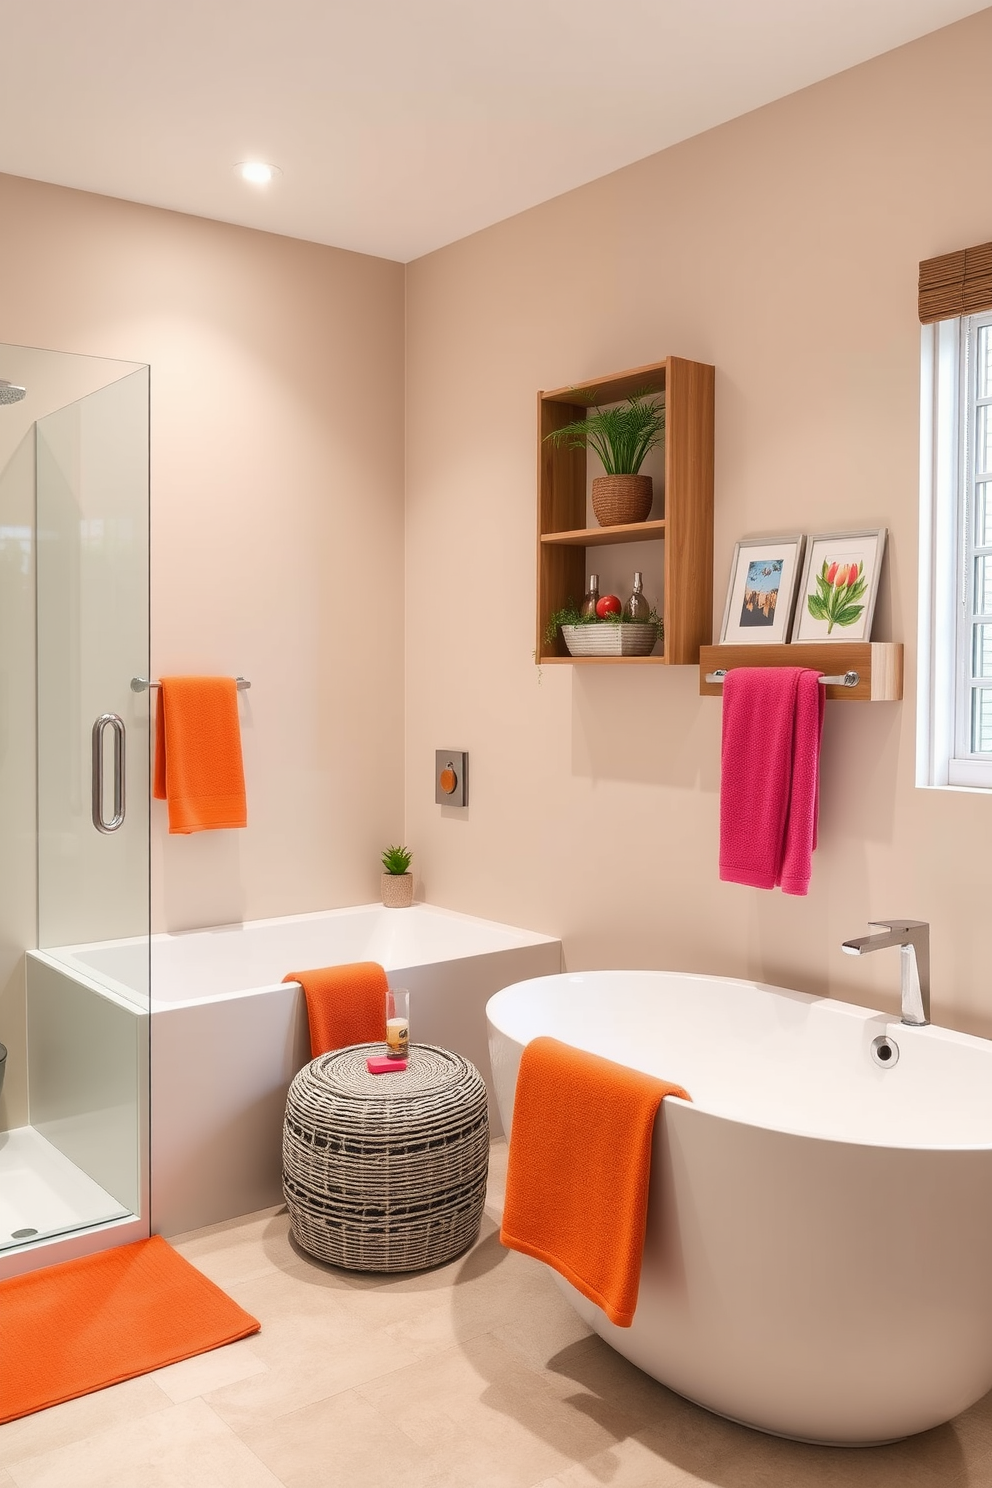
x: 451, y: 777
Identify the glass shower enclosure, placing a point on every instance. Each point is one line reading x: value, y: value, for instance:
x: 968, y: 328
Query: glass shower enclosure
x: 74, y: 512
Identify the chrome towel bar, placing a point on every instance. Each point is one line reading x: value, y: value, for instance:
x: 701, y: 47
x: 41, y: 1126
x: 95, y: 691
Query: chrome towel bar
x: 142, y: 684
x: 849, y: 679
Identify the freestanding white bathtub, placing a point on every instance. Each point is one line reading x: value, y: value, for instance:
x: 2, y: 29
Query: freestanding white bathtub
x: 818, y: 1257
x: 228, y: 1035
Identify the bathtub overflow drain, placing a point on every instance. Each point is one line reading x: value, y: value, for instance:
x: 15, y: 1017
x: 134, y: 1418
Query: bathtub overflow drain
x: 884, y: 1052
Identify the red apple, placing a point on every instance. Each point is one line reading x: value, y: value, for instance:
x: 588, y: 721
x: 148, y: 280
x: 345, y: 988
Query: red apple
x: 608, y: 605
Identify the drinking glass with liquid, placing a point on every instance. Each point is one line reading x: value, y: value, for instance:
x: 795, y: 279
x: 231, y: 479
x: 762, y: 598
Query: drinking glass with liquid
x: 397, y: 1022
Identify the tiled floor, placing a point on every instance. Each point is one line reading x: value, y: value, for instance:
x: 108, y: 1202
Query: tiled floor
x: 475, y: 1376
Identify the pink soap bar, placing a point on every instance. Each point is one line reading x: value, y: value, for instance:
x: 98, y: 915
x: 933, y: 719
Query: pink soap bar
x: 381, y: 1064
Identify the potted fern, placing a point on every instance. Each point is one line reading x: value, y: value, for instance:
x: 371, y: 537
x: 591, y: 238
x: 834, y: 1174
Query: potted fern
x: 396, y: 882
x: 622, y: 435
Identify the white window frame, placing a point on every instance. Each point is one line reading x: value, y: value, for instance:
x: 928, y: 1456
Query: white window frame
x: 948, y: 397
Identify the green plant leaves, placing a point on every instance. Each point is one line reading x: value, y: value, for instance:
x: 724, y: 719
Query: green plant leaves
x: 622, y: 436
x: 396, y: 859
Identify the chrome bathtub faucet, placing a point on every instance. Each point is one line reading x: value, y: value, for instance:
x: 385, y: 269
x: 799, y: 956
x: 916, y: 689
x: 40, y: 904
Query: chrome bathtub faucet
x: 913, y: 939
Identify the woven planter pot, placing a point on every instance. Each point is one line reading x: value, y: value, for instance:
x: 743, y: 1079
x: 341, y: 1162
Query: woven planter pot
x: 397, y: 890
x: 619, y: 499
x: 386, y: 1172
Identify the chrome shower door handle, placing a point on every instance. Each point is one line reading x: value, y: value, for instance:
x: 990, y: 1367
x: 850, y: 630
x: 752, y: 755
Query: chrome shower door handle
x: 115, y: 722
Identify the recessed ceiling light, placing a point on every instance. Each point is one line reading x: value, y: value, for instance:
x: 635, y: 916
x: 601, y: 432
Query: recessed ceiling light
x: 257, y: 172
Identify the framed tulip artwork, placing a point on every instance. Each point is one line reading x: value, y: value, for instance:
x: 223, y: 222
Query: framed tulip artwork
x: 840, y: 583
x: 762, y: 588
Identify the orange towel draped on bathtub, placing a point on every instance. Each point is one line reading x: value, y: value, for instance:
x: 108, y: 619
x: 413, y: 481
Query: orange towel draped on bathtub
x: 345, y: 1004
x: 198, y: 764
x: 580, y: 1161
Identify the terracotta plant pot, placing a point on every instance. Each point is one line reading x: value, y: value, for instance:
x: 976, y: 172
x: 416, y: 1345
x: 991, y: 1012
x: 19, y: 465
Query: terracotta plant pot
x: 619, y: 499
x: 397, y: 890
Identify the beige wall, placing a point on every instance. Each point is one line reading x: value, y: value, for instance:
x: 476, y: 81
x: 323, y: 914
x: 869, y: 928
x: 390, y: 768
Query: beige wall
x: 277, y: 525
x: 782, y: 247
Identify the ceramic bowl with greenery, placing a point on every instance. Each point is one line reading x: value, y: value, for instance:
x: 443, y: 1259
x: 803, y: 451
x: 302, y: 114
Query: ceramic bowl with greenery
x: 615, y: 634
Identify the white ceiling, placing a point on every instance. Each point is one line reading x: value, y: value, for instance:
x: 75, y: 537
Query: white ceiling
x: 399, y: 125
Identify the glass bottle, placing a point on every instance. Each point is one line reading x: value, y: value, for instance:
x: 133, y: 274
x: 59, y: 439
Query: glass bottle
x: 637, y: 607
x: 588, y: 606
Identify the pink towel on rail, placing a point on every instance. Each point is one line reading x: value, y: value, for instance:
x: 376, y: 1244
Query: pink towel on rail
x: 769, y: 789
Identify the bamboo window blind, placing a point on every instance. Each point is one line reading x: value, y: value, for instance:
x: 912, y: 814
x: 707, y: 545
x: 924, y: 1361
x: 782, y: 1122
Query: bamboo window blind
x: 956, y: 283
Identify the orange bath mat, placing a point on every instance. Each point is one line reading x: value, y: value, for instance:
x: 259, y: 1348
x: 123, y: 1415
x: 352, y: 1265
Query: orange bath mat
x: 82, y: 1325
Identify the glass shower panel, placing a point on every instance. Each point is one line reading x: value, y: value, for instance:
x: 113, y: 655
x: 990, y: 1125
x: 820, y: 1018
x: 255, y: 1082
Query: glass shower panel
x: 87, y: 1034
x: 92, y: 482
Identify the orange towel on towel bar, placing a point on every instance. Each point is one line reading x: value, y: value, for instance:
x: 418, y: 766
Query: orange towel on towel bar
x: 345, y: 1004
x: 579, y: 1167
x: 198, y: 764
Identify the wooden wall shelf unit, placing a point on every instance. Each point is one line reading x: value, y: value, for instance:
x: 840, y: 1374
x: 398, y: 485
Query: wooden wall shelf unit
x: 687, y: 526
x: 878, y: 663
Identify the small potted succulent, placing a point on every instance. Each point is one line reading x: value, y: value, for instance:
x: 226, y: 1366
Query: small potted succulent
x: 622, y: 435
x: 397, y: 881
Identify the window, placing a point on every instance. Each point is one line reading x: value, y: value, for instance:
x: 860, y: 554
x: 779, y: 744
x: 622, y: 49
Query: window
x: 955, y: 707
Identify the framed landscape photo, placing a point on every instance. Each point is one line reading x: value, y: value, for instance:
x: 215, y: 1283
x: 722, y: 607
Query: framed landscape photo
x: 839, y: 587
x: 762, y: 589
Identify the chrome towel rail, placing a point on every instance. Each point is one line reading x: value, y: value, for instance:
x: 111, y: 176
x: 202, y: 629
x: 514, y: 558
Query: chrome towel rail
x: 849, y: 679
x: 142, y: 684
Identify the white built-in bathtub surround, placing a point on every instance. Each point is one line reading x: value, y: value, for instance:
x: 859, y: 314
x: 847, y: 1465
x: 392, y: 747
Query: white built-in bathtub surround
x: 228, y: 1035
x: 819, y: 1231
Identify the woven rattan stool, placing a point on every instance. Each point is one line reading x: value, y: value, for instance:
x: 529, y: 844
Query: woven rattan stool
x: 386, y: 1172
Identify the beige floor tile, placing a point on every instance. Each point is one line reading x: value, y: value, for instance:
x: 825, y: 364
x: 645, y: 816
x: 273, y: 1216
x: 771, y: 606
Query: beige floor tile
x: 545, y: 1330
x: 488, y: 1420
x: 342, y: 1442
x: 185, y: 1446
x: 973, y: 1429
x: 205, y: 1372
x: 311, y: 1344
x: 631, y: 1463
x: 588, y: 1370
x: 474, y: 1295
x: 240, y: 1249
x: 977, y: 1474
x: 477, y: 1374
x: 739, y: 1458
x: 61, y: 1425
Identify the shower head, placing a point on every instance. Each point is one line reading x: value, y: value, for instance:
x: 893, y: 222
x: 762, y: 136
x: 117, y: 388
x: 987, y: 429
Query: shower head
x: 10, y: 392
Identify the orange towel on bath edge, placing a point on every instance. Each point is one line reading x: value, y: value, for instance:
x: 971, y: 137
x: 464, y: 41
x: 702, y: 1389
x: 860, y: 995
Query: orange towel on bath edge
x: 345, y: 1004
x: 198, y: 765
x: 580, y: 1162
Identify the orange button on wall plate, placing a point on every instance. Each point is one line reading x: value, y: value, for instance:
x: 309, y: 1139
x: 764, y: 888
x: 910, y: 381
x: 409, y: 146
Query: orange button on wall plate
x: 451, y: 777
